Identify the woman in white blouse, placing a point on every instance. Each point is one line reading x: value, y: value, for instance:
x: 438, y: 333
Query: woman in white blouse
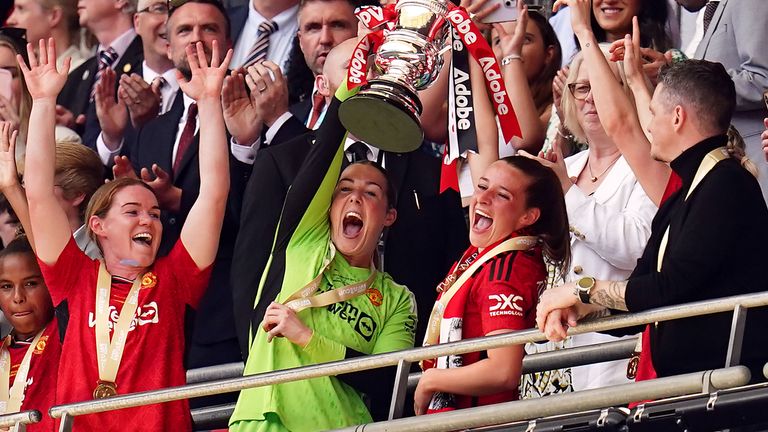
x: 610, y: 217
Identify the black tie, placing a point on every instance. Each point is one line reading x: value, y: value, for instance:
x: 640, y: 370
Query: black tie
x: 358, y: 151
x: 709, y: 12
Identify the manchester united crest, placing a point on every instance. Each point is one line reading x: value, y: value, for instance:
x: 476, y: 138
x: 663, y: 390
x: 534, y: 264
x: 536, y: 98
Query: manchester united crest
x: 40, y: 346
x: 149, y: 280
x: 374, y: 296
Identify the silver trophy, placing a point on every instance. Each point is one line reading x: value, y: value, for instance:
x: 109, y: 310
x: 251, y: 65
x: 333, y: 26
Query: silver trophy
x: 385, y: 113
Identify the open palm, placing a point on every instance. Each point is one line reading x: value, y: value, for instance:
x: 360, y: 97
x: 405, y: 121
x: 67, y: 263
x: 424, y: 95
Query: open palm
x: 8, y: 174
x: 42, y: 78
x: 206, y: 80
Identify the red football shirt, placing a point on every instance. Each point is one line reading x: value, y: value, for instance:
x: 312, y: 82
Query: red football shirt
x: 153, y: 355
x: 502, y: 296
x: 40, y: 393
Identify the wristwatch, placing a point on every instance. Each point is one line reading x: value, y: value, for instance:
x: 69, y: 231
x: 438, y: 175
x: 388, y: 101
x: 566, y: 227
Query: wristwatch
x: 584, y: 287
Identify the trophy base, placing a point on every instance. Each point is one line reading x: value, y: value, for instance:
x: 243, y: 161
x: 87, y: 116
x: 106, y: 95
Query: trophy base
x: 384, y: 115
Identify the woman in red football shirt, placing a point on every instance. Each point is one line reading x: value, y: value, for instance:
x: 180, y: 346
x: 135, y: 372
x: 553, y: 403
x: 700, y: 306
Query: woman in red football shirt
x: 517, y: 218
x: 130, y: 306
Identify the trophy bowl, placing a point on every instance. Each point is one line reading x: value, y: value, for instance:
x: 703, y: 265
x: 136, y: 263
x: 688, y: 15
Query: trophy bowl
x: 385, y: 113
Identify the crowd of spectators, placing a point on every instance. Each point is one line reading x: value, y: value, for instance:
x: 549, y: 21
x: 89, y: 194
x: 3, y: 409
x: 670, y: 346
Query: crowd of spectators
x: 178, y: 191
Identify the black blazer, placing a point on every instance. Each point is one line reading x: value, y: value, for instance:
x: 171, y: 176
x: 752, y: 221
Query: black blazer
x: 76, y: 94
x: 420, y: 247
x: 154, y: 144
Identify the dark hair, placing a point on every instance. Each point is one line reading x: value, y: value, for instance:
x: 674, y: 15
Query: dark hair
x: 703, y: 87
x: 541, y: 88
x: 652, y: 19
x: 391, y: 189
x: 546, y: 193
x: 298, y: 75
x: 19, y: 245
x: 173, y: 5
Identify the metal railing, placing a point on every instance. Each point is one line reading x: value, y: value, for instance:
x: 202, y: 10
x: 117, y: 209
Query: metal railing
x: 565, y: 403
x: 18, y: 421
x: 405, y: 357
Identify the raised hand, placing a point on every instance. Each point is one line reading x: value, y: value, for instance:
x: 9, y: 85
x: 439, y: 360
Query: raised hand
x: 478, y: 10
x: 581, y: 11
x: 269, y: 95
x: 123, y: 168
x: 142, y: 99
x: 9, y: 176
x: 112, y: 114
x: 168, y: 195
x: 240, y: 116
x: 206, y: 80
x: 554, y: 160
x: 558, y: 87
x: 43, y: 79
x: 512, y: 35
x: 639, y: 62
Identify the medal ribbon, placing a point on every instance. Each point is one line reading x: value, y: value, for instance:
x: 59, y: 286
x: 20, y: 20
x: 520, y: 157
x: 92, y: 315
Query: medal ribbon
x: 303, y: 298
x: 710, y: 160
x: 110, y: 352
x: 462, y: 133
x: 11, y: 396
x: 433, y: 326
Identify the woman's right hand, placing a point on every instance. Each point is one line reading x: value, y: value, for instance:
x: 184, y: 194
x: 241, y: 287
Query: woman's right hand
x: 43, y: 80
x: 581, y: 13
x: 558, y: 87
x: 9, y: 176
x: 511, y: 43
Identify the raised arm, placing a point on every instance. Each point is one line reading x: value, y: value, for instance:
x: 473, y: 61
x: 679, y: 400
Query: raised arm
x: 485, y: 125
x: 511, y: 43
x: 202, y: 228
x: 9, y: 177
x: 617, y: 113
x: 49, y: 224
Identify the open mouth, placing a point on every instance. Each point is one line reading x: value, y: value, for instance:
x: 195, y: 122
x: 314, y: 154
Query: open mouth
x: 482, y: 221
x: 352, y: 224
x: 144, y: 239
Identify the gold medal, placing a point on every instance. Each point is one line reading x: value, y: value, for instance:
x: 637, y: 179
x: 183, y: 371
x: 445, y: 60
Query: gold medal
x: 105, y: 389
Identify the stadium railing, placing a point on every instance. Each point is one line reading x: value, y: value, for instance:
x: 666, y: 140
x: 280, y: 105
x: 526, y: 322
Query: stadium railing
x: 737, y: 304
x: 17, y: 422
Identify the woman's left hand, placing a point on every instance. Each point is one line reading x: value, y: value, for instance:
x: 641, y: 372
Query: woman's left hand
x: 511, y: 42
x: 206, y: 80
x: 560, y: 297
x: 554, y: 160
x: 282, y: 321
x: 422, y: 396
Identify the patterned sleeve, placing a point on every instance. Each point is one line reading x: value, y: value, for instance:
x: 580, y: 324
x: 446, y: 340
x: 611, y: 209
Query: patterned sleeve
x: 506, y: 292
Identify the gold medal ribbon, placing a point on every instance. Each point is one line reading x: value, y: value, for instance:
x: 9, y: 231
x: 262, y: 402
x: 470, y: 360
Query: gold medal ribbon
x: 709, y: 162
x: 109, y: 353
x: 303, y: 298
x: 433, y: 326
x: 11, y: 396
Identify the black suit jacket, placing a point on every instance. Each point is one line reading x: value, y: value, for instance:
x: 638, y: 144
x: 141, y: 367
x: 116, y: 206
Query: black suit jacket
x: 76, y: 94
x: 154, y: 144
x: 430, y: 232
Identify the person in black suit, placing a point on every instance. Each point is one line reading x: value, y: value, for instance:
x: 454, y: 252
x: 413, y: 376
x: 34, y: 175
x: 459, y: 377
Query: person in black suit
x: 119, y: 49
x: 419, y: 248
x: 166, y: 152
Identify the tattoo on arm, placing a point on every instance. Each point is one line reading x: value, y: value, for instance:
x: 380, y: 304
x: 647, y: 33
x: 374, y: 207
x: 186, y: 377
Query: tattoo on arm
x: 602, y: 313
x: 610, y: 294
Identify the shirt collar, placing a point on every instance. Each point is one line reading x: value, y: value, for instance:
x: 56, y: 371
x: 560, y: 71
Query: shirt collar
x: 149, y: 75
x: 688, y: 162
x: 373, y: 152
x: 284, y: 19
x: 121, y: 43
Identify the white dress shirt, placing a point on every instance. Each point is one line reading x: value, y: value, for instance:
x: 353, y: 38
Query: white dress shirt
x: 280, y: 42
x: 609, y: 231
x: 698, y: 35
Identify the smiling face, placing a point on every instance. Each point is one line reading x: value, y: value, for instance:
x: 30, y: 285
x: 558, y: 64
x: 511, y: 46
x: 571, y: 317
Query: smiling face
x: 130, y: 231
x: 150, y: 25
x: 24, y: 298
x: 359, y: 212
x: 615, y: 16
x: 323, y: 25
x: 498, y: 207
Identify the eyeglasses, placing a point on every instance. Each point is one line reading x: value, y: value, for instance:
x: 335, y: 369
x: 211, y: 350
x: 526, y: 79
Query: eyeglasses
x: 580, y: 91
x: 156, y: 9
